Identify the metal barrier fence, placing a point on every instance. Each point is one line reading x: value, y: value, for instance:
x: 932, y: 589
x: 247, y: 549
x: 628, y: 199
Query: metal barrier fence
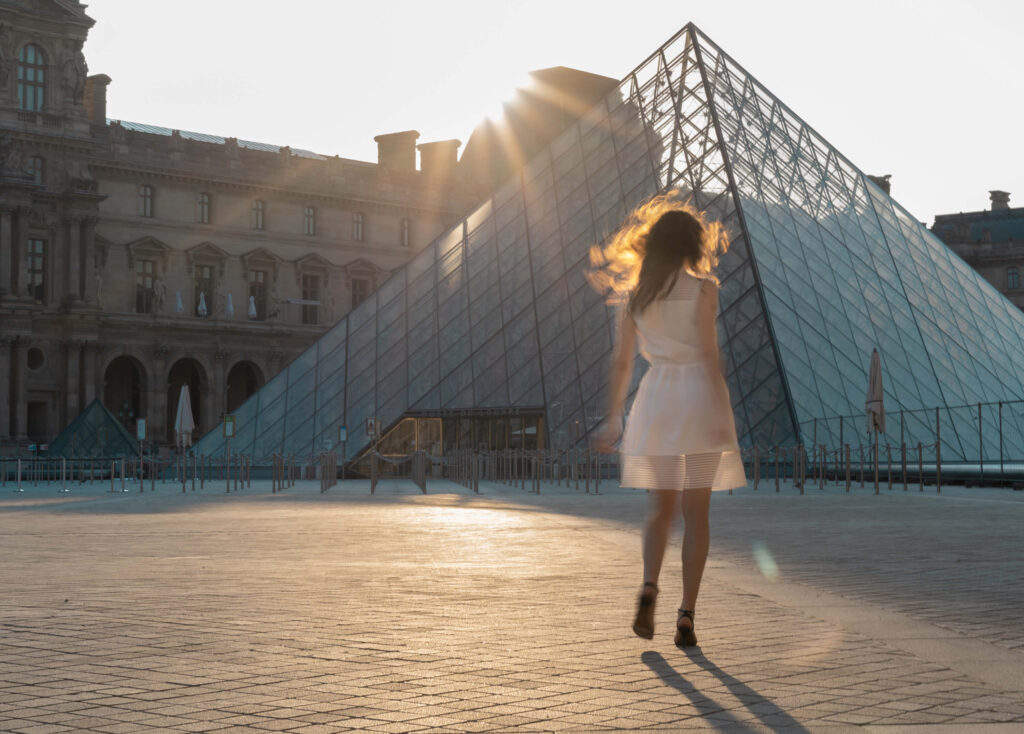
x: 985, y: 437
x: 875, y: 465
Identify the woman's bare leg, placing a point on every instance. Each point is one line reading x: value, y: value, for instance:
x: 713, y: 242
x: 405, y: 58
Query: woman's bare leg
x: 663, y: 511
x: 696, y: 539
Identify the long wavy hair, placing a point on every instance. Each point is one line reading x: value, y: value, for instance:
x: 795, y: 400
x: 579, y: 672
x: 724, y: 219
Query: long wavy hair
x: 659, y: 238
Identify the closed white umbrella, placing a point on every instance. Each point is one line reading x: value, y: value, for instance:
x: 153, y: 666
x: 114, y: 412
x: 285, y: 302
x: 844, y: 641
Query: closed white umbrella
x: 202, y: 304
x: 179, y: 307
x: 184, y: 423
x: 252, y: 307
x: 229, y: 309
x: 874, y: 404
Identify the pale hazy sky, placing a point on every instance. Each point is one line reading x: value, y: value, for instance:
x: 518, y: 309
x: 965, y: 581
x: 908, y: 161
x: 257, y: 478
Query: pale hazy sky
x: 931, y: 91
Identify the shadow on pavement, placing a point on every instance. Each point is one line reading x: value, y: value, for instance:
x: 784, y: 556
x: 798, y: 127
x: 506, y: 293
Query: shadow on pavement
x: 768, y: 714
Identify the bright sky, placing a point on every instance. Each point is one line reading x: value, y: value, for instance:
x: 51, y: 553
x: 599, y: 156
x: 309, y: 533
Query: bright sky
x: 931, y: 92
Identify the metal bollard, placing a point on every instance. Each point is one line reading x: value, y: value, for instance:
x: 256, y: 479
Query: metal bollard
x: 846, y: 450
x: 776, y: 467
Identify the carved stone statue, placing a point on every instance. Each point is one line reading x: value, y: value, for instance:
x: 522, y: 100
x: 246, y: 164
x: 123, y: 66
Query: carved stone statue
x: 74, y: 71
x: 159, y: 295
x: 275, y: 304
x: 10, y: 158
x: 7, y: 61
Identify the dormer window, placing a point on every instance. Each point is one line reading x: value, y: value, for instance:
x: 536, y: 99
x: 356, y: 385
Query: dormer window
x: 309, y: 220
x: 1012, y: 278
x: 145, y: 208
x: 36, y: 167
x: 203, y: 208
x: 258, y: 207
x: 31, y: 78
x: 357, y: 226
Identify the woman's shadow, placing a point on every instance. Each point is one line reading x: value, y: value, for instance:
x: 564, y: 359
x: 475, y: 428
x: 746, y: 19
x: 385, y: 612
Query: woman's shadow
x: 768, y: 714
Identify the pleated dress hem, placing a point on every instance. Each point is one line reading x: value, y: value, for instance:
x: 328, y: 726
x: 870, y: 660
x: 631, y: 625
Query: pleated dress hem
x: 718, y: 470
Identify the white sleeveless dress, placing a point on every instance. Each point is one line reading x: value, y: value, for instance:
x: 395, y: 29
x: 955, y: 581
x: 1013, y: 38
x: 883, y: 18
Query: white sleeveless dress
x: 680, y: 433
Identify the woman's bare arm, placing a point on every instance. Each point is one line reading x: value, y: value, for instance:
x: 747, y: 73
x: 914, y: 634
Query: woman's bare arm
x: 622, y: 371
x: 707, y: 334
x: 622, y: 364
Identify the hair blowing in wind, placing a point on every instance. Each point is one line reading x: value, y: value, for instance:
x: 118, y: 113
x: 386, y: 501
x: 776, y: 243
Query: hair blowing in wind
x: 659, y: 238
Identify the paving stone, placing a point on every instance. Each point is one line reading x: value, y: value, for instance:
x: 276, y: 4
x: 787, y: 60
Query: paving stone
x: 505, y: 611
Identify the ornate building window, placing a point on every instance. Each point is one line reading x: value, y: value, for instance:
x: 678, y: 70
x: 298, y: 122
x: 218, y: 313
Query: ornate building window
x: 37, y: 167
x: 258, y: 293
x: 203, y: 289
x: 1012, y: 278
x: 145, y: 208
x: 405, y: 233
x: 310, y: 292
x: 357, y: 226
x: 31, y: 78
x: 309, y: 220
x: 37, y: 270
x: 360, y: 290
x: 203, y: 208
x: 145, y: 271
x: 256, y: 217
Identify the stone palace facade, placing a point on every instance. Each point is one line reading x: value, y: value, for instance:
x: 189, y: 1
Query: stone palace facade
x: 135, y: 259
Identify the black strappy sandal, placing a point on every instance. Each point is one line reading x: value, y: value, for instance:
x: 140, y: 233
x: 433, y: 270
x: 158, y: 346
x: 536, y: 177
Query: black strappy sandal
x: 685, y: 636
x: 643, y: 625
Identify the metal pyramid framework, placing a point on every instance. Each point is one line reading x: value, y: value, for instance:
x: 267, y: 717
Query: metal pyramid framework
x: 95, y: 433
x: 823, y: 267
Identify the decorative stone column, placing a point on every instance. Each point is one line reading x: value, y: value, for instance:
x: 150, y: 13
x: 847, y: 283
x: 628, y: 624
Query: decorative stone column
x: 6, y: 346
x: 6, y: 254
x: 19, y: 359
x: 158, y: 408
x: 219, y: 387
x: 90, y: 353
x: 89, y: 264
x: 73, y: 355
x: 74, y: 244
x: 19, y: 245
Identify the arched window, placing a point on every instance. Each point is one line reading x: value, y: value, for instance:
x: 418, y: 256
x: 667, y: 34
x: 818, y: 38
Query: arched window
x: 145, y: 200
x: 1012, y: 278
x: 203, y: 208
x: 31, y: 78
x: 405, y: 233
x: 357, y: 226
x: 257, y: 214
x: 309, y: 220
x: 36, y: 166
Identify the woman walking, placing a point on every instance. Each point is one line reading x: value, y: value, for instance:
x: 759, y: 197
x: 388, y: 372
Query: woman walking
x: 680, y: 437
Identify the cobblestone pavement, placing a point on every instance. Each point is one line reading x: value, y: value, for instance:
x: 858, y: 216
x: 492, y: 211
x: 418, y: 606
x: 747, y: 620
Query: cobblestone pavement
x: 508, y: 611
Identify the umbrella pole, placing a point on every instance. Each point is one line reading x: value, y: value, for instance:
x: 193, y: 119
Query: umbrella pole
x: 876, y: 461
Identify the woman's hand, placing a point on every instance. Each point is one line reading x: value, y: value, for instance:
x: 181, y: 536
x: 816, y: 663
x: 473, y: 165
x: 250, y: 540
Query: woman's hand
x: 607, y: 437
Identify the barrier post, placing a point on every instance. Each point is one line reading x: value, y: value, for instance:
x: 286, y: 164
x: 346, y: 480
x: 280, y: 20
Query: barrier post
x: 920, y: 465
x: 938, y: 454
x: 861, y: 447
x: 776, y: 467
x: 846, y: 450
x: 981, y: 449
x: 123, y: 488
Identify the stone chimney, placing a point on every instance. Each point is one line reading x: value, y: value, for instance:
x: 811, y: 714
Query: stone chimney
x: 397, y: 151
x: 438, y: 159
x: 96, y: 99
x: 1000, y: 200
x: 882, y: 182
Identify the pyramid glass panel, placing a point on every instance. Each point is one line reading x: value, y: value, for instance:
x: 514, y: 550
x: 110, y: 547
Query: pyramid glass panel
x: 823, y: 267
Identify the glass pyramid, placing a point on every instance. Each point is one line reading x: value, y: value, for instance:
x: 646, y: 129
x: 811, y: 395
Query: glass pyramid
x: 95, y: 433
x: 823, y: 267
